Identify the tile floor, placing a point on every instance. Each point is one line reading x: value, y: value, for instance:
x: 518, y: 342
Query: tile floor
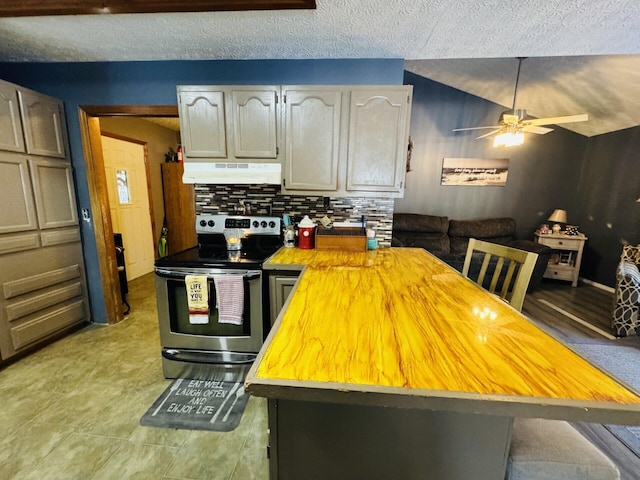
x: 72, y: 411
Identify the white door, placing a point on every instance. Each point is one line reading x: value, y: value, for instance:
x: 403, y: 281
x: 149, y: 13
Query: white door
x: 129, y: 203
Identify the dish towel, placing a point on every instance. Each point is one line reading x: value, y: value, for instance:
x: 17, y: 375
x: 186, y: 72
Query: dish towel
x: 230, y: 298
x: 197, y: 298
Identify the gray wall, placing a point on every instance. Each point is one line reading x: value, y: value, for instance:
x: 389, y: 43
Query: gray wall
x: 542, y: 173
x: 606, y: 201
x: 597, y: 180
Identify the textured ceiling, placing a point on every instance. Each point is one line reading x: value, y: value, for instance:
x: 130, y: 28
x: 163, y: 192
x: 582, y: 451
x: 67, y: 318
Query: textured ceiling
x: 425, y: 32
x: 605, y: 87
x: 172, y: 123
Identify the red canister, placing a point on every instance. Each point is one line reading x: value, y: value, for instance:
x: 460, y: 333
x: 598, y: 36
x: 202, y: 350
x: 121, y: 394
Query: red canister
x: 306, y: 233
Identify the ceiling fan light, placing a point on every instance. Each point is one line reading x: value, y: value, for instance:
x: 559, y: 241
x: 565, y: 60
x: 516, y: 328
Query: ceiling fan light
x: 508, y: 139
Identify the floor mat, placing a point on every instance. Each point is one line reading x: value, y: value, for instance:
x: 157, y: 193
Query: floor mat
x: 198, y: 405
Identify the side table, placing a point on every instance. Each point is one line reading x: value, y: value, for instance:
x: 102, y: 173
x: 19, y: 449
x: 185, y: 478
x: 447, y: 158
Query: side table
x: 567, y: 256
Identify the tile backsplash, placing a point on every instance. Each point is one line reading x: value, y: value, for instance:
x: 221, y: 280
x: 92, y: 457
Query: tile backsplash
x: 268, y: 200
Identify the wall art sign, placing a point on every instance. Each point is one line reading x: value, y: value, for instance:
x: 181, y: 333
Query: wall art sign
x: 475, y: 172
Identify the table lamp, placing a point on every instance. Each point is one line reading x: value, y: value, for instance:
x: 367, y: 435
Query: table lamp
x: 558, y: 216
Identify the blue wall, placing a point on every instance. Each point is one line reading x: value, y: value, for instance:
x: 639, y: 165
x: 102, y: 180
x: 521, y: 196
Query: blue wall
x: 154, y: 83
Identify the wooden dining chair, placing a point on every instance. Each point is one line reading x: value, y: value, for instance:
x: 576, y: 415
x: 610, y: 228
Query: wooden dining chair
x: 512, y: 281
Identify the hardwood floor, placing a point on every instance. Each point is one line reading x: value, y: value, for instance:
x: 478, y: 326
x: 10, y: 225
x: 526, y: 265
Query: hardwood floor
x: 588, y: 303
x: 583, y: 315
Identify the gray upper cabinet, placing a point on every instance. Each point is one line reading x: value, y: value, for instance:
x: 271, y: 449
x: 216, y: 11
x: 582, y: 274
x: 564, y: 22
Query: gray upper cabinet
x: 338, y: 140
x: 229, y: 123
x: 354, y: 146
x: 42, y: 120
x: 11, y: 138
x: 18, y: 213
x: 254, y: 122
x: 378, y: 139
x: 54, y: 193
x: 312, y: 133
x: 202, y: 127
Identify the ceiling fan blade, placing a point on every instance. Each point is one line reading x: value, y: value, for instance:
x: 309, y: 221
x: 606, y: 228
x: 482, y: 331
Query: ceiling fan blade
x: 474, y: 128
x: 583, y: 117
x: 536, y: 129
x: 488, y: 134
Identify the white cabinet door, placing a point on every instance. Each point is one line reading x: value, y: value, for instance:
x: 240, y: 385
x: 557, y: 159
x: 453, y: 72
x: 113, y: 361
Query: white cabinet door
x: 10, y: 125
x: 229, y: 123
x: 313, y: 134
x: 378, y: 138
x: 18, y: 213
x: 252, y: 122
x: 54, y: 193
x: 202, y: 124
x: 42, y: 119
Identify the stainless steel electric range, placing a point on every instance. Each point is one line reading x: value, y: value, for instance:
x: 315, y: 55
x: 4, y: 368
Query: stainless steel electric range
x: 227, y: 245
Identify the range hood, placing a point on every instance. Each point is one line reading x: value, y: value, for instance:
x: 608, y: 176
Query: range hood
x: 225, y: 173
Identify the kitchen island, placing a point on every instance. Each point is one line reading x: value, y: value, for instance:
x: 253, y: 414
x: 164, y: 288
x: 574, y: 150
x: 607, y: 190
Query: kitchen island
x: 390, y: 364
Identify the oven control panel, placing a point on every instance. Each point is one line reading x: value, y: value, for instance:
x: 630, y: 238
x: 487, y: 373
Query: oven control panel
x: 252, y: 225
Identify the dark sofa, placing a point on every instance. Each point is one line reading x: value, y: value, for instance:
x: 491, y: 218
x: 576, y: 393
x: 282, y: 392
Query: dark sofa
x: 448, y: 239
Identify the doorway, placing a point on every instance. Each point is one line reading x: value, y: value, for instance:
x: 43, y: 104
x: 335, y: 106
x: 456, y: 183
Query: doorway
x: 126, y: 171
x: 89, y: 119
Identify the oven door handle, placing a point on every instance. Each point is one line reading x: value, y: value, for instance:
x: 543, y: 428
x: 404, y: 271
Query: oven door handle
x: 195, y: 356
x: 171, y: 273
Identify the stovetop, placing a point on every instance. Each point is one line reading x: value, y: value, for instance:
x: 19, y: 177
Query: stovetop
x: 262, y: 239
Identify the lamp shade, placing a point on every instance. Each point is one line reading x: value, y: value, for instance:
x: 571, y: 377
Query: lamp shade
x: 558, y: 216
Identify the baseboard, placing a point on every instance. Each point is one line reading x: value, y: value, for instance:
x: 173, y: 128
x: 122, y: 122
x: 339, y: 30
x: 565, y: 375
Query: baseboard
x: 598, y: 285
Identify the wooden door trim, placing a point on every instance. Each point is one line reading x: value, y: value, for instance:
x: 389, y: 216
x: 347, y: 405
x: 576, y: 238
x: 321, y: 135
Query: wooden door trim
x: 99, y: 198
x: 93, y: 7
x: 131, y: 110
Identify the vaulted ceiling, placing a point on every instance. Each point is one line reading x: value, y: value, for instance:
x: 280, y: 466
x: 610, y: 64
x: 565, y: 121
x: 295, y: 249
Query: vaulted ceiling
x: 583, y: 57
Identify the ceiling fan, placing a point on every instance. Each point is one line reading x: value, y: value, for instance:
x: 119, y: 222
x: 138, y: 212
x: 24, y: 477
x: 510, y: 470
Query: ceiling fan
x: 514, y: 123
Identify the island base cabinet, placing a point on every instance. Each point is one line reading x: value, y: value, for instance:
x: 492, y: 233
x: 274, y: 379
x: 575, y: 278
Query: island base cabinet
x: 280, y: 287
x: 313, y: 440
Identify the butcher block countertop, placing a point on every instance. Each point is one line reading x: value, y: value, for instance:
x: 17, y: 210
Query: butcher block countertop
x: 398, y: 327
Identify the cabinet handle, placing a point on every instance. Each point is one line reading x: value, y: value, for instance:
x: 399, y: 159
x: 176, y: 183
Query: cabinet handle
x: 560, y: 242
